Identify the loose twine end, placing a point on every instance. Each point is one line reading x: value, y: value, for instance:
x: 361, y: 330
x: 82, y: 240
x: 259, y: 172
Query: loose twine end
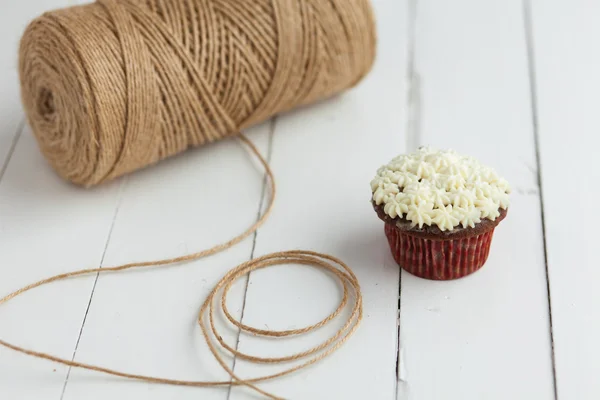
x: 215, y: 342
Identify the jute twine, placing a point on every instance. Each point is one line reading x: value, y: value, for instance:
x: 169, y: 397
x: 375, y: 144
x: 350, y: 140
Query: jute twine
x: 215, y: 342
x: 114, y: 86
x: 117, y: 85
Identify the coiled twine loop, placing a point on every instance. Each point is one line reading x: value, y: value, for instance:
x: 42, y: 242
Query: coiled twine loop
x: 216, y: 344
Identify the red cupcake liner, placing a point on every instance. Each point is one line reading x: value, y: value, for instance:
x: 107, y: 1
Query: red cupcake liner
x: 438, y: 259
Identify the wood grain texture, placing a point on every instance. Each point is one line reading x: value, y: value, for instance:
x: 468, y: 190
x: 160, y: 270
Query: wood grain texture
x: 486, y: 335
x: 566, y: 56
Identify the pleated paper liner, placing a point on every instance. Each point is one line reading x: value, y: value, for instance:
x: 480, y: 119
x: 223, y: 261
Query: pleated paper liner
x: 439, y: 259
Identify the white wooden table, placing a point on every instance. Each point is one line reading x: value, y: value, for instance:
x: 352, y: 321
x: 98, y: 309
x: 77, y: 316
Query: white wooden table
x: 514, y: 83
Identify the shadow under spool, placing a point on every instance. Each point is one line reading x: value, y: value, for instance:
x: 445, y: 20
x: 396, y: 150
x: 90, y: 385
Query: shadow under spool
x: 113, y: 86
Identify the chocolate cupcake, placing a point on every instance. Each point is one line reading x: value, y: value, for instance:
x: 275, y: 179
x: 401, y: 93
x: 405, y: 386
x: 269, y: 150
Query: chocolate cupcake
x: 440, y: 210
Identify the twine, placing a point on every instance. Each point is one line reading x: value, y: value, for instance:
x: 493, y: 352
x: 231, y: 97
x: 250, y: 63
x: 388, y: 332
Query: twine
x: 210, y: 333
x: 117, y: 85
x: 114, y: 86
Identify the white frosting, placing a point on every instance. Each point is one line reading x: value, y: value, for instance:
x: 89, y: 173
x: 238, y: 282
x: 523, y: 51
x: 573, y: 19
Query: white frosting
x: 442, y: 188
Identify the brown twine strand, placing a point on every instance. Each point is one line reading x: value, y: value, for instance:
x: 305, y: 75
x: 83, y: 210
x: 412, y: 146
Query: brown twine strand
x: 117, y: 85
x: 328, y: 263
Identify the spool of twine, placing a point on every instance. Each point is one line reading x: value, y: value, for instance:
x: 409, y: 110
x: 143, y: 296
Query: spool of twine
x: 117, y: 85
x: 114, y: 86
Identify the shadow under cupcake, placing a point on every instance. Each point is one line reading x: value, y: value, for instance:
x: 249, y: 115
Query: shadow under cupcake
x: 440, y: 210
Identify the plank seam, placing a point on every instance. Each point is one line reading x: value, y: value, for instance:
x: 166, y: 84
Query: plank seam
x: 272, y: 125
x: 413, y: 133
x: 413, y: 81
x: 89, y: 304
x: 531, y: 66
x: 12, y: 148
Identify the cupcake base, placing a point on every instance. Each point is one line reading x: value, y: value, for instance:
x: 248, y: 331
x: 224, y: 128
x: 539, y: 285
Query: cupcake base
x: 435, y: 259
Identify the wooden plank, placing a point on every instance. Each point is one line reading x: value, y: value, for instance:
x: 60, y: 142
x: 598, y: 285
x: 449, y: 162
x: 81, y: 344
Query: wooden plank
x: 324, y: 158
x: 566, y: 59
x: 46, y: 227
x: 145, y: 321
x: 487, y: 335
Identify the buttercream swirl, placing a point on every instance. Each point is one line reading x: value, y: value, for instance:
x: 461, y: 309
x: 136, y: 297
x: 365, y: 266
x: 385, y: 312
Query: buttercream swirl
x: 442, y: 188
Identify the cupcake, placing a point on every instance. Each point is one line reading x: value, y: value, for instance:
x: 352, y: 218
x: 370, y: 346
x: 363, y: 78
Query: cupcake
x: 440, y: 210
